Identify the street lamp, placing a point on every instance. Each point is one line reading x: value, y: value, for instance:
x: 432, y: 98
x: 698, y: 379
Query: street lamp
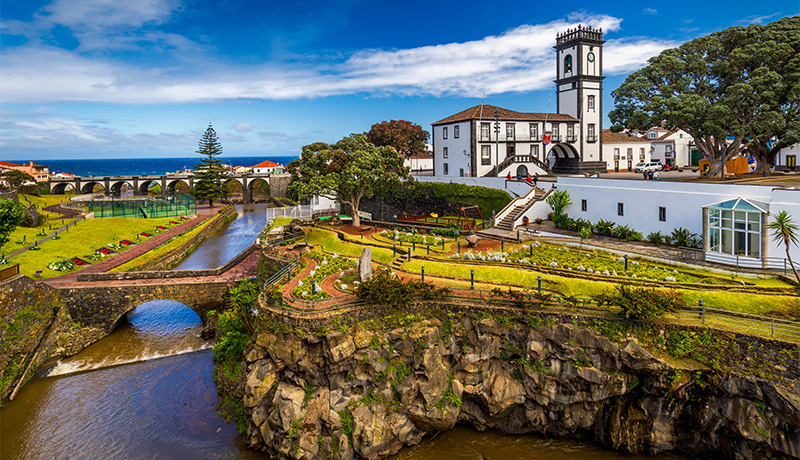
x: 496, y: 140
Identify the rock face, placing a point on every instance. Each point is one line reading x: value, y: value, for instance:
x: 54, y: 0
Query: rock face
x: 367, y: 393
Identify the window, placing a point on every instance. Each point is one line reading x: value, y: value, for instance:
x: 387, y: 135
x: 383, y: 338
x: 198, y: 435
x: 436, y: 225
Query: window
x: 662, y: 214
x: 534, y: 129
x: 568, y: 63
x: 555, y: 131
x: 668, y: 151
x: 444, y: 169
x: 630, y: 153
x: 583, y: 205
x: 590, y: 133
x: 485, y: 131
x: 511, y: 149
x: 734, y: 227
x: 641, y: 154
x: 590, y: 103
x: 620, y: 209
x: 444, y: 132
x: 460, y: 170
x: 652, y: 135
x: 455, y: 132
x: 486, y: 155
x: 535, y: 150
x: 616, y: 154
x: 510, y: 131
x: 570, y: 130
x: 444, y: 152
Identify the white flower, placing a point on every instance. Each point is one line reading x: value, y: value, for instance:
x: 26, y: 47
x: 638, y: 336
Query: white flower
x: 634, y: 275
x: 343, y: 287
x: 580, y: 268
x: 554, y: 264
x: 300, y: 283
x: 634, y: 262
x: 589, y: 270
x: 305, y: 293
x: 312, y: 273
x: 670, y: 278
x: 524, y: 261
x: 605, y: 272
x: 614, y: 273
x: 621, y: 259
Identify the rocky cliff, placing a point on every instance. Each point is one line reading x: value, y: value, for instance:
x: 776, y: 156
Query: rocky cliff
x: 367, y: 390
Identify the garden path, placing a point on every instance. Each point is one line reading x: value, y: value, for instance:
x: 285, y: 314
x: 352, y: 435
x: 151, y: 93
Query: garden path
x: 287, y: 288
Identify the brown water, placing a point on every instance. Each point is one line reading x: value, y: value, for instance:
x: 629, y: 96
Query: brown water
x: 146, y: 392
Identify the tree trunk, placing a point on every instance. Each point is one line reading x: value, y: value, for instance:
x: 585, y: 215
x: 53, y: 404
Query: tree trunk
x: 354, y: 208
x: 786, y: 246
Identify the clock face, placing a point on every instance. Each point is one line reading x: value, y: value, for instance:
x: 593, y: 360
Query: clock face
x: 590, y: 57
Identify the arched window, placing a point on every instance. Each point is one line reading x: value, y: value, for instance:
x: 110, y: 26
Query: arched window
x: 568, y: 63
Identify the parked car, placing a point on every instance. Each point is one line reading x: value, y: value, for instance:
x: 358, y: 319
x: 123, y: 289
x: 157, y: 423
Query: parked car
x: 649, y: 166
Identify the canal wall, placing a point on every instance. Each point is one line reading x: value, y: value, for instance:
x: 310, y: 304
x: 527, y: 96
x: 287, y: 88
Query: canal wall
x: 35, y: 327
x: 343, y: 389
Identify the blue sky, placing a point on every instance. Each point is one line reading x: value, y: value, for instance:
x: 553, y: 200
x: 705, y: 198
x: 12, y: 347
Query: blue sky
x: 114, y: 79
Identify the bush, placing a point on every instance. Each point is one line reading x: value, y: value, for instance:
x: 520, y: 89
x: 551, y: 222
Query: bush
x: 683, y: 237
x: 563, y: 221
x: 655, y: 238
x: 633, y: 235
x: 558, y: 201
x: 578, y: 224
x: 641, y: 304
x: 620, y: 231
x: 385, y: 288
x: 604, y: 227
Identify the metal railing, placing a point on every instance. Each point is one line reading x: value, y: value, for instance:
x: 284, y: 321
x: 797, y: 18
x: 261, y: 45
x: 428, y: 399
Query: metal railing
x: 283, y: 271
x: 763, y: 325
x: 302, y: 211
x: 736, y: 260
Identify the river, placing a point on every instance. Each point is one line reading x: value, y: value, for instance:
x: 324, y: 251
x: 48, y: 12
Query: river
x: 146, y: 392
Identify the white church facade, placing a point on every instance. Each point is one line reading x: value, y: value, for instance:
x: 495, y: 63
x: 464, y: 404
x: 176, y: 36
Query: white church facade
x: 490, y: 141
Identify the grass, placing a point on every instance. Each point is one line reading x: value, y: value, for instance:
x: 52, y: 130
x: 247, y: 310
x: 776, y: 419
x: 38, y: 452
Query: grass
x: 331, y: 242
x: 82, y: 240
x: 174, y: 243
x: 30, y: 233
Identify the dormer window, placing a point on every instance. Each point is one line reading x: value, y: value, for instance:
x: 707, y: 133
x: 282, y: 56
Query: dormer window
x: 568, y: 63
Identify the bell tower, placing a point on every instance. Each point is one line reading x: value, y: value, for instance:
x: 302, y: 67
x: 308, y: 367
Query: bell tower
x: 579, y: 86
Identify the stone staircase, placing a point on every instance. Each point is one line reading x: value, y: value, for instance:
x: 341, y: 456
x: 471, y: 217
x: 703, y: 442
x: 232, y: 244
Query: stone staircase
x: 508, y: 161
x: 507, y: 223
x: 398, y: 262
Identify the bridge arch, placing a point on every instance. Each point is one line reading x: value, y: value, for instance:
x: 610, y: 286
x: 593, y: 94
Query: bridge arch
x: 116, y: 187
x: 144, y: 186
x: 179, y: 185
x: 89, y: 187
x: 259, y: 188
x: 61, y: 188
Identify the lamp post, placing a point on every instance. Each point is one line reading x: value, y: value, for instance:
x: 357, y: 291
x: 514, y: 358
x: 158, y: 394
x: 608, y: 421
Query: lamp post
x: 496, y: 141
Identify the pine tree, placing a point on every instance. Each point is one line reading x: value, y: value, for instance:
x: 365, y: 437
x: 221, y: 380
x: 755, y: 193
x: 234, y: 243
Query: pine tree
x: 209, y: 171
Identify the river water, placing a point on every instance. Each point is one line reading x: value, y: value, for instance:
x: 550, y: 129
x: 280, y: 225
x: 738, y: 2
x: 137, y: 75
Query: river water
x: 146, y: 392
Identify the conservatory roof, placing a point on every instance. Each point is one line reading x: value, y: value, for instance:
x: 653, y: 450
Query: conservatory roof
x: 740, y: 204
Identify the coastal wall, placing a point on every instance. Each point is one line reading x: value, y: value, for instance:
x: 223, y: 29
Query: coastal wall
x: 368, y: 389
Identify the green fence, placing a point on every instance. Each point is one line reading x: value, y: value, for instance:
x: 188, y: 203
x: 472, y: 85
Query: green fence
x: 178, y: 204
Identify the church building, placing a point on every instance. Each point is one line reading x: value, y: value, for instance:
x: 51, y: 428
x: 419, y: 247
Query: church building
x: 490, y: 141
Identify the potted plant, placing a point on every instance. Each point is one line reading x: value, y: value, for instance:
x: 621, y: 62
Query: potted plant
x: 539, y: 220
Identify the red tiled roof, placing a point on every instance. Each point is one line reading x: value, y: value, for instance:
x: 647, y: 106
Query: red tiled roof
x: 267, y: 164
x: 622, y: 138
x: 487, y: 113
x: 7, y: 164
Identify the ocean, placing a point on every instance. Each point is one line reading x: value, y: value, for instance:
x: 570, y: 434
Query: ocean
x: 141, y: 166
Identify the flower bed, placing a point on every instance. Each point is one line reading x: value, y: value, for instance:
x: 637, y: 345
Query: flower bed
x: 326, y: 266
x: 409, y: 237
x: 61, y: 265
x: 590, y: 262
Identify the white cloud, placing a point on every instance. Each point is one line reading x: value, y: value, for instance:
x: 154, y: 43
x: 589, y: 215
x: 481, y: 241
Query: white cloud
x: 649, y: 11
x: 754, y: 19
x: 517, y: 60
x: 242, y: 127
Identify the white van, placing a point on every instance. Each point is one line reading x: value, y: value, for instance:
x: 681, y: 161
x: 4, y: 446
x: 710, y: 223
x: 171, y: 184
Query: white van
x: 649, y: 166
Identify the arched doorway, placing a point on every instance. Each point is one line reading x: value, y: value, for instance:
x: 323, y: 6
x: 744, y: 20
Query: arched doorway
x: 522, y: 171
x: 563, y: 158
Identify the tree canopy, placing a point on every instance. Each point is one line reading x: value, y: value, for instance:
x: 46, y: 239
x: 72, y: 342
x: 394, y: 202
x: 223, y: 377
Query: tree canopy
x: 15, y: 177
x: 351, y: 168
x: 406, y: 137
x: 209, y: 169
x: 11, y: 215
x: 730, y: 90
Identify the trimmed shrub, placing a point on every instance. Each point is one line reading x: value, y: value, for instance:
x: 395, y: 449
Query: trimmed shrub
x: 655, y: 238
x: 604, y: 227
x: 641, y: 304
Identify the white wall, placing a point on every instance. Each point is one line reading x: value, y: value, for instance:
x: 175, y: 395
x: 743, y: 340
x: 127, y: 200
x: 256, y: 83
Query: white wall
x: 780, y: 158
x: 683, y: 201
x: 456, y: 159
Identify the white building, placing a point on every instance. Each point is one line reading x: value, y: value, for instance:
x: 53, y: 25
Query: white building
x: 268, y: 167
x: 673, y: 147
x: 485, y: 140
x: 622, y: 151
x: 787, y: 157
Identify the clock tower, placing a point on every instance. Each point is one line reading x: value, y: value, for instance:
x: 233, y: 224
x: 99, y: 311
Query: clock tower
x: 579, y: 88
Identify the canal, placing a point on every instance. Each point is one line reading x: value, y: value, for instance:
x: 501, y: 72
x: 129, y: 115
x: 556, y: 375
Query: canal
x: 146, y: 392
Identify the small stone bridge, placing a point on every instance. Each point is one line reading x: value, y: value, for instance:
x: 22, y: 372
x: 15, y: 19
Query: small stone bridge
x: 112, y: 185
x: 103, y: 299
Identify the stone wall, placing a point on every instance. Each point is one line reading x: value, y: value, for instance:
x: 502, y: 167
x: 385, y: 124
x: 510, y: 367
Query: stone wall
x: 365, y: 391
x: 145, y: 275
x: 279, y: 185
x: 34, y: 327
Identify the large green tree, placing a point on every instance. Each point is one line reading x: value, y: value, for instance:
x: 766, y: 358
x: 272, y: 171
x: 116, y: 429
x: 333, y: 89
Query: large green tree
x: 727, y: 89
x: 351, y: 169
x: 407, y: 138
x: 11, y: 215
x: 209, y: 171
x: 15, y: 178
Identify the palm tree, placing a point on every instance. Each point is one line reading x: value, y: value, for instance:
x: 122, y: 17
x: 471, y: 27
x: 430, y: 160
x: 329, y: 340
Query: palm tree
x: 784, y: 231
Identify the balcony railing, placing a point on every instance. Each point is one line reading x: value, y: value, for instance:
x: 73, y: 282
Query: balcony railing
x: 572, y: 138
x: 591, y: 138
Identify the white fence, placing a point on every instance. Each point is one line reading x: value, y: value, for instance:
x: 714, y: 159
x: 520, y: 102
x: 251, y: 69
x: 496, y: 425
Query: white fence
x: 303, y: 211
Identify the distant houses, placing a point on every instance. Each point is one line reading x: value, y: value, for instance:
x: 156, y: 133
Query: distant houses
x: 268, y: 166
x: 40, y: 173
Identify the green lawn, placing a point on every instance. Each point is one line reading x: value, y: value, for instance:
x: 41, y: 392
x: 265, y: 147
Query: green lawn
x: 82, y: 240
x: 331, y: 242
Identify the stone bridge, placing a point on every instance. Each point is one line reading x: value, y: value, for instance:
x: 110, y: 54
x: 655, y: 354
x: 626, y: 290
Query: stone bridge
x: 104, y: 304
x: 112, y: 185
